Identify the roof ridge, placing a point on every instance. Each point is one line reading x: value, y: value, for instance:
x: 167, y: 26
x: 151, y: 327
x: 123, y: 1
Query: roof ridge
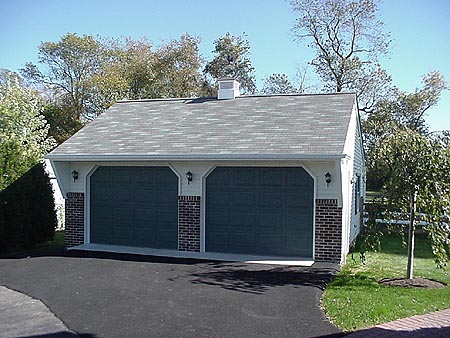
x: 175, y: 99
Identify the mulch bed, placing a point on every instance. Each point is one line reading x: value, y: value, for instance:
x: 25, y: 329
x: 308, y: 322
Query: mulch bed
x: 417, y: 282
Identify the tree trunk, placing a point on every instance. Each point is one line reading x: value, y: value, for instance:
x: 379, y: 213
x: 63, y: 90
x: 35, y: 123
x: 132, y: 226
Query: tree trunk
x: 412, y: 215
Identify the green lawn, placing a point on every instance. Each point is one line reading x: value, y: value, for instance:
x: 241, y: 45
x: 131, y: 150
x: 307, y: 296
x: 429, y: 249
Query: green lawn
x: 355, y: 300
x: 58, y: 239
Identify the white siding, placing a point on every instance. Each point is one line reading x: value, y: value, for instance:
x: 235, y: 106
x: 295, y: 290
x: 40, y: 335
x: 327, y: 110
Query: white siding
x: 358, y: 171
x: 199, y: 170
x: 353, y: 168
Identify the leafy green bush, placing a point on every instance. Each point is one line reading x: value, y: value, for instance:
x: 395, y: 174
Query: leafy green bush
x: 27, y: 211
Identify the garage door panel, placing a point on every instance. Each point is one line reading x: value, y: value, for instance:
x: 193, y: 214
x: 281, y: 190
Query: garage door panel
x: 144, y: 214
x: 243, y: 176
x: 166, y: 216
x: 245, y: 199
x: 271, y: 213
x: 162, y: 197
x: 123, y: 213
x: 145, y: 177
x: 218, y: 240
x: 121, y: 231
x: 271, y: 177
x: 147, y: 196
x: 270, y: 222
x: 164, y: 176
x: 220, y: 179
x: 269, y: 242
x: 166, y: 235
x: 221, y: 199
x: 102, y: 194
x: 271, y: 199
x: 243, y: 219
x: 241, y: 239
x: 122, y: 194
x: 218, y: 218
x: 104, y: 176
x: 301, y: 243
x: 146, y: 238
x: 298, y: 200
x: 122, y: 176
x: 296, y: 179
x: 134, y: 206
x: 294, y: 220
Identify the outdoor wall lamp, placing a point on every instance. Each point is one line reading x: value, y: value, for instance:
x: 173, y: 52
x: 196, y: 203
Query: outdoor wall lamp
x: 328, y: 178
x: 75, y: 175
x: 189, y: 177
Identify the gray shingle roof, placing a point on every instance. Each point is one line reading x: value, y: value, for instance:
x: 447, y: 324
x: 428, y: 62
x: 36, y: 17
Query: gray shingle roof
x: 247, y: 125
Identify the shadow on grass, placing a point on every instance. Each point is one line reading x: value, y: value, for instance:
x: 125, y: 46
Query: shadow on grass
x: 358, y: 280
x: 392, y: 244
x: 257, y: 279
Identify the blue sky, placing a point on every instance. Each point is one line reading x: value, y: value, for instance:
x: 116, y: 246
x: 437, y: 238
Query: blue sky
x: 420, y: 30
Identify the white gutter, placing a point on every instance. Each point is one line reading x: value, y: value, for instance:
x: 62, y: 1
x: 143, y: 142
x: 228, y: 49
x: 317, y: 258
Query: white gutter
x: 192, y: 157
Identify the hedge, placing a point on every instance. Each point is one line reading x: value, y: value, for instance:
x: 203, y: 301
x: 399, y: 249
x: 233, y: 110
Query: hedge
x: 27, y: 211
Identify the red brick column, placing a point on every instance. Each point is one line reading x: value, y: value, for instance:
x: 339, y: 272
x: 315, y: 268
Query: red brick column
x: 189, y: 223
x: 328, y: 234
x: 74, y: 227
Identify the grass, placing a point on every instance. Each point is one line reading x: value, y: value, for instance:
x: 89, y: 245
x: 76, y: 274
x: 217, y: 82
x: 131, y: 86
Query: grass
x: 58, y: 239
x: 355, y: 300
x: 371, y: 195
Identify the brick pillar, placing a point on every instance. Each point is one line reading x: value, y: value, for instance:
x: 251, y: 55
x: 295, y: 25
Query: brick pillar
x: 189, y: 223
x: 74, y: 227
x: 328, y: 235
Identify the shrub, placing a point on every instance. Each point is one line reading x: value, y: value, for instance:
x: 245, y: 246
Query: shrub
x: 27, y: 211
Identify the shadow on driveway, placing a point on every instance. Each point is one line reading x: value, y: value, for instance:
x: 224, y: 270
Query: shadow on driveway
x: 258, y: 279
x: 117, y: 295
x: 61, y: 335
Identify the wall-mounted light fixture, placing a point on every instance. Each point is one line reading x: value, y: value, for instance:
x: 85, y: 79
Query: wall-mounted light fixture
x: 75, y: 175
x: 328, y: 178
x: 189, y: 177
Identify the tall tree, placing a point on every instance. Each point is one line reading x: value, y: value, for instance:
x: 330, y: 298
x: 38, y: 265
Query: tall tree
x: 405, y: 110
x: 278, y: 84
x: 412, y: 164
x: 137, y: 66
x: 86, y: 75
x: 232, y: 59
x: 417, y: 169
x: 347, y: 39
x: 71, y: 64
x: 62, y: 125
x: 177, y: 64
x: 24, y: 131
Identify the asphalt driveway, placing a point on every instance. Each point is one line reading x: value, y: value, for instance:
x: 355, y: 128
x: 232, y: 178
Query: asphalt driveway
x: 131, y: 296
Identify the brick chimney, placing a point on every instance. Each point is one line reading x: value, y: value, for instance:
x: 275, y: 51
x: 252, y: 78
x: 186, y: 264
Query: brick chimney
x: 228, y: 88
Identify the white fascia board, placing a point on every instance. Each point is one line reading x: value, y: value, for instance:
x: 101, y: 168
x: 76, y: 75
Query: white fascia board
x: 193, y: 157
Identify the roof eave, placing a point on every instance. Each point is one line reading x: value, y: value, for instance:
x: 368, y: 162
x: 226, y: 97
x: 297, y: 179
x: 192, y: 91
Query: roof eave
x: 189, y: 157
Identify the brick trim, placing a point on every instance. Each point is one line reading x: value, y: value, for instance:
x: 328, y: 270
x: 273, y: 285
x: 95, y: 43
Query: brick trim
x: 328, y: 231
x: 189, y: 223
x: 74, y: 217
x: 329, y: 201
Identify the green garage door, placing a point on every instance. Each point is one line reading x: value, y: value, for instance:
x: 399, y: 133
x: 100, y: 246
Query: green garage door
x: 260, y: 211
x: 134, y: 206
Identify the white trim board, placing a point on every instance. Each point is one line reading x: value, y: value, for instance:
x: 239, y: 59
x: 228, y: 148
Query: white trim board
x: 190, y: 157
x: 292, y: 261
